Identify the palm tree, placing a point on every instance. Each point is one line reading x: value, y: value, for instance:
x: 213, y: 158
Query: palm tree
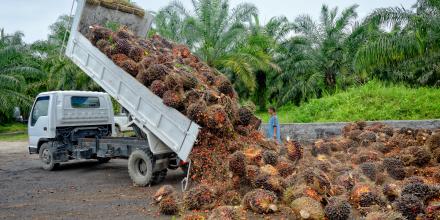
x: 410, y: 50
x: 14, y: 74
x: 217, y: 34
x: 316, y: 56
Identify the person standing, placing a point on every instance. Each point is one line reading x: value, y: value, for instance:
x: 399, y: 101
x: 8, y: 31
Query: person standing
x: 273, y: 128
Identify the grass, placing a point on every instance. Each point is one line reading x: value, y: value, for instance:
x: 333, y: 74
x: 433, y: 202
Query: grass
x: 13, y: 132
x: 370, y: 102
x: 14, y: 137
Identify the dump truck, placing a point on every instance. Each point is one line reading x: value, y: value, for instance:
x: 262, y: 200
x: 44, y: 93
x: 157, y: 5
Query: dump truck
x: 78, y: 125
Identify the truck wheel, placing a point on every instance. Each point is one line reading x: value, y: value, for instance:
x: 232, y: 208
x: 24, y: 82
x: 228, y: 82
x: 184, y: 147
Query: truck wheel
x: 103, y: 159
x: 140, y: 167
x: 159, y: 176
x: 46, y: 158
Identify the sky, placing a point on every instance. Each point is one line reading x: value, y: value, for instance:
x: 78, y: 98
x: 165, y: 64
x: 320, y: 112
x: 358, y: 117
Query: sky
x: 33, y: 17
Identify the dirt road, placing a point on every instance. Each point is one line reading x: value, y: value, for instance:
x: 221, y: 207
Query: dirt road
x: 81, y: 190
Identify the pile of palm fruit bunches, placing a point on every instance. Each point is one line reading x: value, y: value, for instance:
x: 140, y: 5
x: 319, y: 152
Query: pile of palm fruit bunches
x: 370, y: 172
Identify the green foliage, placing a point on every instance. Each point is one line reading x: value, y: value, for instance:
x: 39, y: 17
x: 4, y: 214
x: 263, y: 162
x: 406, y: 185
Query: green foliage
x: 372, y: 101
x: 221, y: 36
x: 410, y: 51
x: 317, y: 56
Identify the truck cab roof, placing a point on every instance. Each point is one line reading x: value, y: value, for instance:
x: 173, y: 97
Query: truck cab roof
x: 72, y: 92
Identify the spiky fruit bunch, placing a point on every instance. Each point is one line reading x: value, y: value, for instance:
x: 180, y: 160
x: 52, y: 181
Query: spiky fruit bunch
x: 419, y: 156
x: 169, y: 206
x: 252, y: 172
x: 208, y: 77
x: 231, y: 107
x: 433, y: 142
x: 364, y: 196
x: 157, y: 72
x: 147, y: 62
x: 420, y: 190
x: 270, y: 182
x: 119, y: 58
x: 384, y: 216
x: 237, y: 164
x: 200, y: 197
x: 245, y: 116
x: 189, y: 81
x: 97, y: 33
x: 269, y: 170
x: 102, y: 44
x: 181, y: 51
x: 193, y: 96
x: 224, y: 86
x: 394, y: 168
x: 197, y: 112
x: 285, y: 167
x: 163, y: 192
x: 124, y: 33
x: 321, y: 147
x: 294, y: 150
x: 337, y: 209
x: 410, y: 206
x: 172, y: 99
x: 130, y: 67
x: 307, y: 208
x: 231, y: 197
x: 367, y: 137
x: 136, y: 53
x: 218, y: 120
x: 253, y: 155
x: 318, y: 180
x: 110, y: 50
x: 158, y: 88
x: 173, y: 81
x: 369, y: 170
x: 211, y: 96
x: 224, y: 212
x: 260, y: 201
x: 270, y: 157
x: 123, y: 46
x: 391, y: 191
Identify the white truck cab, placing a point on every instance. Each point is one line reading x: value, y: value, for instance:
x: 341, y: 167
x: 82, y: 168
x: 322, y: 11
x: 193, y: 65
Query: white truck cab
x: 60, y: 112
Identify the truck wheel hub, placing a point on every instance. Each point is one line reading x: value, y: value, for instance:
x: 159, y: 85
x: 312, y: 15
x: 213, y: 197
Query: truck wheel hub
x: 142, y: 167
x: 46, y: 156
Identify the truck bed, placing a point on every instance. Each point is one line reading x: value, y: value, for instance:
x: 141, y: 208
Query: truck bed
x: 166, y: 128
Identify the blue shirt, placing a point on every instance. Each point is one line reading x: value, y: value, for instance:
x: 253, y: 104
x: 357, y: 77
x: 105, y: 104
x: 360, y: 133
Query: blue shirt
x: 273, y: 122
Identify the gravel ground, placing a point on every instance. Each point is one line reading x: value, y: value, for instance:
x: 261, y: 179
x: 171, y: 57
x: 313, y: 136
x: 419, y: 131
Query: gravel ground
x: 80, y: 190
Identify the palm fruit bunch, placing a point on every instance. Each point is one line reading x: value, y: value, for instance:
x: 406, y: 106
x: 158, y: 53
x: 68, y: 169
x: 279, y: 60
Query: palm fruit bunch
x: 260, y: 201
x: 172, y: 99
x: 201, y: 197
x: 169, y: 206
x: 338, y: 209
x: 237, y: 164
x: 166, y: 197
x: 158, y: 88
x: 307, y: 208
x: 225, y: 213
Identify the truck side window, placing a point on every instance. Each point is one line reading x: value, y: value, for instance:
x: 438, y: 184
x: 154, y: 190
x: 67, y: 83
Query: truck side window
x: 41, y: 108
x: 84, y: 102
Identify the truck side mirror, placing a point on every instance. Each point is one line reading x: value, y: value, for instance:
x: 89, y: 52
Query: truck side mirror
x: 17, y: 114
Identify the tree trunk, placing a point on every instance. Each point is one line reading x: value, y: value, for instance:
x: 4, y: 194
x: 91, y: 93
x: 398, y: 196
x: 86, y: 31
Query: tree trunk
x: 260, y: 93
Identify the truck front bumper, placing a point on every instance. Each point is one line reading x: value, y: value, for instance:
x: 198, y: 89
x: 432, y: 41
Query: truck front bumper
x: 32, y: 150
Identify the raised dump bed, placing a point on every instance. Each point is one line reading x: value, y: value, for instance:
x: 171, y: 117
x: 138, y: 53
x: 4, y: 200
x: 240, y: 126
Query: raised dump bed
x: 166, y: 129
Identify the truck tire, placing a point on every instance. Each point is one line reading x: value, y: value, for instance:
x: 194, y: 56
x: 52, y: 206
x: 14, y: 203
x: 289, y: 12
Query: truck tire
x: 140, y: 167
x: 159, y: 176
x: 46, y: 158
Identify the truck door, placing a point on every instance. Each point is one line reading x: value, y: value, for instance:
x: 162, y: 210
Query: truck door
x: 38, y: 125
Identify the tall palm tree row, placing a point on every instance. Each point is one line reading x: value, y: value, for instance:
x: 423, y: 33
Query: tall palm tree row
x: 410, y: 51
